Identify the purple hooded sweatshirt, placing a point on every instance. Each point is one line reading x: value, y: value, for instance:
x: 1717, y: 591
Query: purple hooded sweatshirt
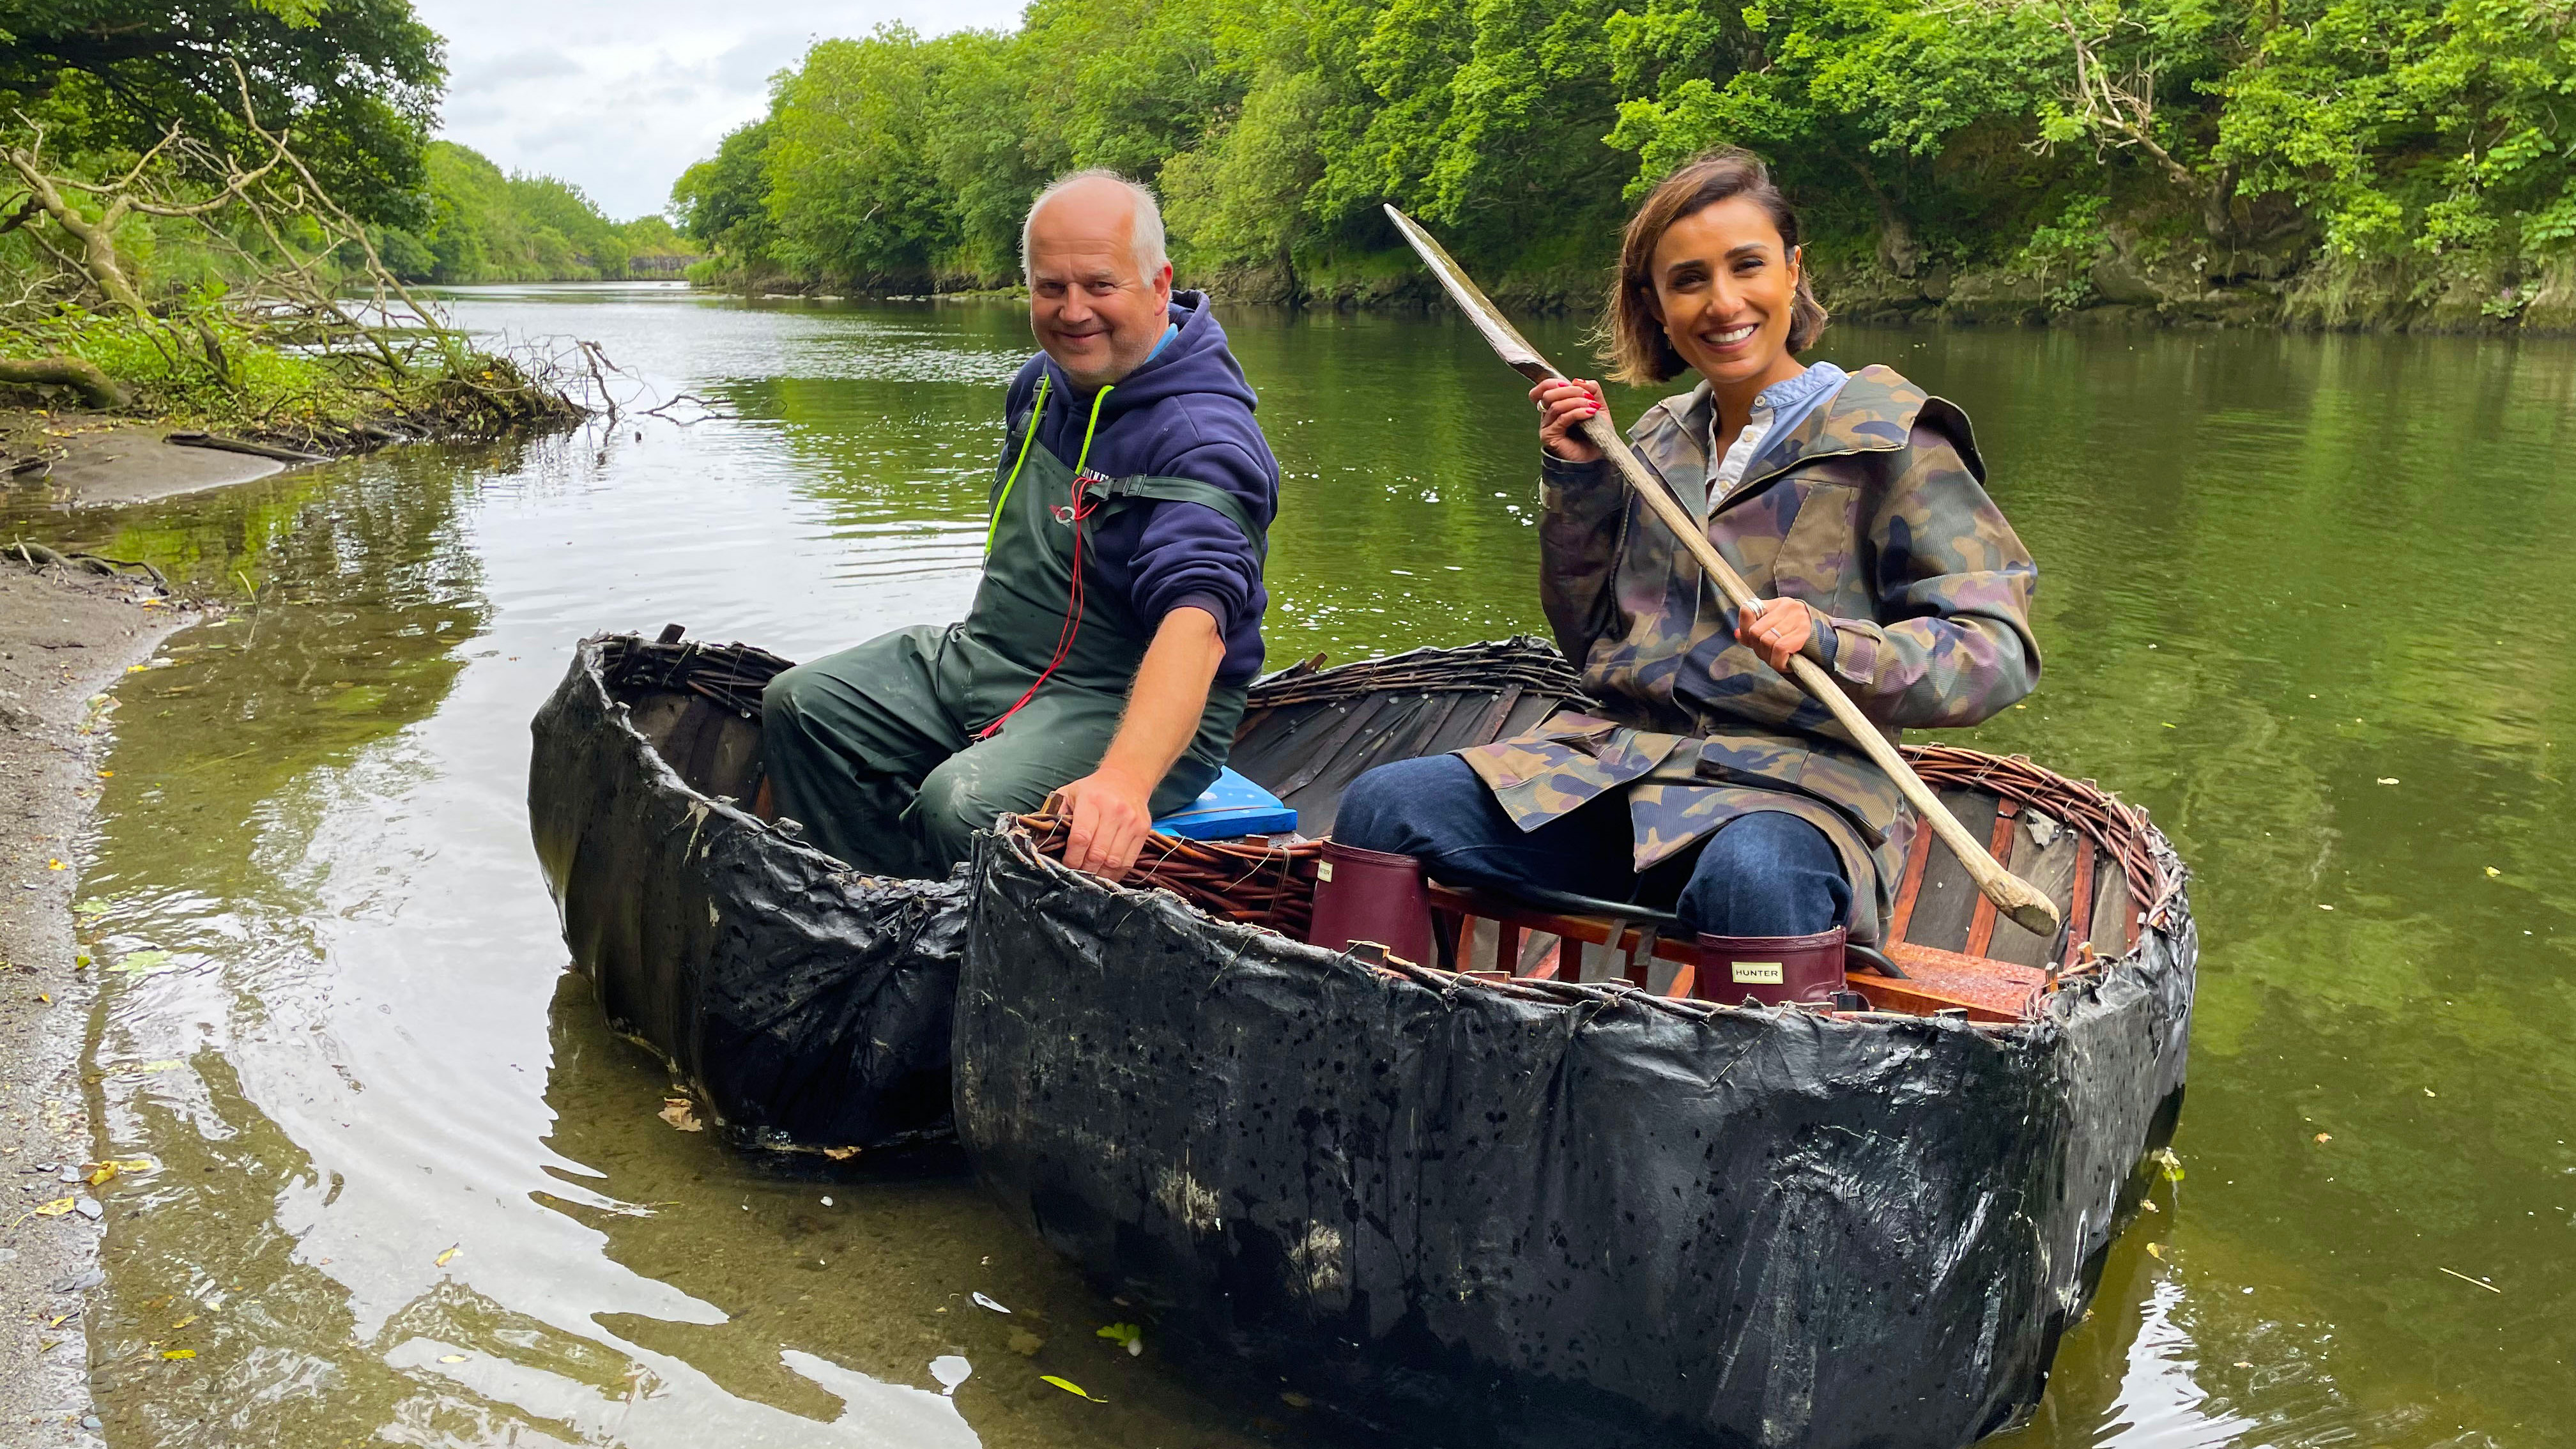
x: 1186, y: 413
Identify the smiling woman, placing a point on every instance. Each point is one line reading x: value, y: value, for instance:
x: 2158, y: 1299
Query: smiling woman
x: 1709, y: 782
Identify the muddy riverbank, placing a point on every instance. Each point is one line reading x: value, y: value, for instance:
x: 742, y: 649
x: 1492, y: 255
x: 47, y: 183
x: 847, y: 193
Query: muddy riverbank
x: 65, y: 637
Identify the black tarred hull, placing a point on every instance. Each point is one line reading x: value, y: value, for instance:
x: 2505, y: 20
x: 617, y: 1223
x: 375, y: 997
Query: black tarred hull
x: 1480, y: 1215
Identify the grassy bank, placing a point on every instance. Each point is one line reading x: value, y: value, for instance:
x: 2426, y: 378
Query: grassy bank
x: 209, y: 371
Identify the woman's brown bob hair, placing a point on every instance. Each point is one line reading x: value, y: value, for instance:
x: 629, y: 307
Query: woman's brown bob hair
x: 1634, y: 341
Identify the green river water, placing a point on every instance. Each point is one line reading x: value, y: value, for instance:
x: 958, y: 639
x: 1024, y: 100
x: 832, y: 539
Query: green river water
x: 2305, y: 598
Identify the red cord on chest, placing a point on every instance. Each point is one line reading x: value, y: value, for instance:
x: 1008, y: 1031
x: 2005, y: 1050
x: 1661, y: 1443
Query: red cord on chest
x: 1077, y: 515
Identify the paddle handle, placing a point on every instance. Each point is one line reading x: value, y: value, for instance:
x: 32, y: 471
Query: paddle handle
x: 2016, y: 898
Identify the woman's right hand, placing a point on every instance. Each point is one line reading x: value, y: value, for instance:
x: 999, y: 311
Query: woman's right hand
x: 1562, y: 407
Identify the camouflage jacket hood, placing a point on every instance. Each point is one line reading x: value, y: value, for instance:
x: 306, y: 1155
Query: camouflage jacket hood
x: 1873, y: 512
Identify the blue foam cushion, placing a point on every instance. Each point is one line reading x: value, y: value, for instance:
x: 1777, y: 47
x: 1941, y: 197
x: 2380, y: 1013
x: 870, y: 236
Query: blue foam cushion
x: 1232, y: 806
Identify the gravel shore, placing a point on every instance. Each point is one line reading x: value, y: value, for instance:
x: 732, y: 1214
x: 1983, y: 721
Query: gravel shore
x: 66, y: 637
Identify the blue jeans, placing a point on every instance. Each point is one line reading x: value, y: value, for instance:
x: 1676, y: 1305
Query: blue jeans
x: 1764, y: 874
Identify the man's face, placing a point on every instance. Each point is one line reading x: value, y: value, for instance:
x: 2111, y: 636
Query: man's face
x: 1095, y: 311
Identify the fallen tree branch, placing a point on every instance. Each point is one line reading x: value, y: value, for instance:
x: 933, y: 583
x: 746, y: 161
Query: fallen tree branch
x: 77, y: 373
x: 37, y: 556
x: 220, y: 443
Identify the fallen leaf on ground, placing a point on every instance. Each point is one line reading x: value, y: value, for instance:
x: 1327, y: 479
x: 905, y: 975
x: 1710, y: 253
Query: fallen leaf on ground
x: 56, y: 1208
x: 1070, y: 1387
x: 2156, y: 1251
x: 2491, y: 870
x: 2325, y: 1137
x: 680, y: 1112
x: 1126, y: 1335
x: 53, y: 865
x: 178, y: 1353
x: 450, y: 1253
x: 182, y: 1323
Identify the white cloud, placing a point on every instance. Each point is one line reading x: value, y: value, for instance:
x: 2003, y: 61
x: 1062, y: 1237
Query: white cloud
x: 619, y: 98
x: 525, y: 65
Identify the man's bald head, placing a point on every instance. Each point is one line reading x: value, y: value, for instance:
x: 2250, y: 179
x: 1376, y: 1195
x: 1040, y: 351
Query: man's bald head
x: 1100, y: 198
x: 1100, y: 287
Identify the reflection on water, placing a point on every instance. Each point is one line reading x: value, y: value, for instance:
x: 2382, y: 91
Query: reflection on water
x: 2297, y: 599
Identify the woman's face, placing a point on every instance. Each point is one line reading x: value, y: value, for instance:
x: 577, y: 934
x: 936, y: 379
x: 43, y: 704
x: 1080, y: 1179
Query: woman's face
x: 1724, y: 282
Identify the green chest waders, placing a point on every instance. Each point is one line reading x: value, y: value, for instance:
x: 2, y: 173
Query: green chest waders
x: 895, y: 752
x: 1034, y: 626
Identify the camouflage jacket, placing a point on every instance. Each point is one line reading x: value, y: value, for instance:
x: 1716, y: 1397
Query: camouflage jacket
x: 1873, y: 512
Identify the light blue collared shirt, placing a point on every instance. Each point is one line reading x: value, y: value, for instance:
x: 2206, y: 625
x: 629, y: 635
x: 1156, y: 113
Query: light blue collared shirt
x: 1777, y: 412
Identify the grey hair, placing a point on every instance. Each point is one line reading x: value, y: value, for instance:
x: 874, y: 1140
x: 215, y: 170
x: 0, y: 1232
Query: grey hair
x: 1147, y: 243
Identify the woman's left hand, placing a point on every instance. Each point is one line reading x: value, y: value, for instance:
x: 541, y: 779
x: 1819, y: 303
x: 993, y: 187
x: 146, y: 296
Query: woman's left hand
x: 1775, y: 629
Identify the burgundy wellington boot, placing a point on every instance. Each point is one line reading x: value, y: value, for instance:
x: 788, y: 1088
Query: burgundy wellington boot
x: 1370, y: 895
x: 1774, y: 970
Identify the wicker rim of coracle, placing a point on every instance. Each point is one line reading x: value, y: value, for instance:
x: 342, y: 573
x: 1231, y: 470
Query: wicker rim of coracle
x: 1269, y: 885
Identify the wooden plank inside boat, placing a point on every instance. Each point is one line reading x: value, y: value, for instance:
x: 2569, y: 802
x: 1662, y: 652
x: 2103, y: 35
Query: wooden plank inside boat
x: 1493, y: 931
x: 2050, y: 867
x: 2115, y: 910
x: 1947, y: 901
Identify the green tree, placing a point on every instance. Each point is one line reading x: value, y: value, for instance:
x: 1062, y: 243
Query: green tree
x: 852, y: 188
x: 488, y: 227
x: 979, y: 140
x: 2036, y: 137
x: 1128, y: 83
x: 359, y: 81
x: 1489, y: 118
x: 722, y: 203
x: 2414, y: 128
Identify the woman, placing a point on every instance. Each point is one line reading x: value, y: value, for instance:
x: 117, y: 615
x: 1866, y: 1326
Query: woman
x: 1852, y: 503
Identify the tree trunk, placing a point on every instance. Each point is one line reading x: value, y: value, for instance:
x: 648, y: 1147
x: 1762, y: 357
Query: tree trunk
x: 1897, y: 251
x: 2217, y: 205
x: 1896, y: 248
x: 97, y: 238
x: 95, y: 387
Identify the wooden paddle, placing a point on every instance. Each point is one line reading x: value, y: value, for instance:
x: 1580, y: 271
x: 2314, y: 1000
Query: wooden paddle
x: 2015, y: 897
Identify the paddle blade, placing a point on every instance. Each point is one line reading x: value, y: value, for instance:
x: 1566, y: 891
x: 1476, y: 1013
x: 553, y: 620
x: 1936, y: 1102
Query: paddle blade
x: 1500, y: 334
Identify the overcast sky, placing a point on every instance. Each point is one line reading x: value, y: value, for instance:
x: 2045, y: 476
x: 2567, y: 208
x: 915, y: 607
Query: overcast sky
x: 620, y: 96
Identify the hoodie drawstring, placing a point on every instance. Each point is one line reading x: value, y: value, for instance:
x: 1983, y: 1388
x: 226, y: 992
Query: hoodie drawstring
x: 1078, y: 514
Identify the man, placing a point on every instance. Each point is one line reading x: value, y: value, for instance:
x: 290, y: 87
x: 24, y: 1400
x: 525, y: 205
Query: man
x: 1119, y: 617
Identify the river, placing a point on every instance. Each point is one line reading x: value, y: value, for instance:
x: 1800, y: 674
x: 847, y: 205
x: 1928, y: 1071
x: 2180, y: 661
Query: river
x: 2306, y: 598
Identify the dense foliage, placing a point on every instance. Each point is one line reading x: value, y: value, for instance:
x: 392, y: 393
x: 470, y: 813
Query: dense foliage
x: 488, y: 227
x: 358, y: 80
x: 2415, y: 141
x: 211, y: 214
